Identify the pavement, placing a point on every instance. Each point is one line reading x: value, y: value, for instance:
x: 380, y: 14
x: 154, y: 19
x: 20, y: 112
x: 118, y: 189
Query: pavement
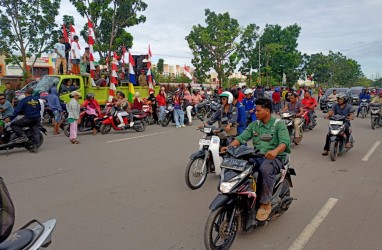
x: 127, y: 191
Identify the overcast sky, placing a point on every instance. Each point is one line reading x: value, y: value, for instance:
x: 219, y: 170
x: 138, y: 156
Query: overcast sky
x: 352, y: 27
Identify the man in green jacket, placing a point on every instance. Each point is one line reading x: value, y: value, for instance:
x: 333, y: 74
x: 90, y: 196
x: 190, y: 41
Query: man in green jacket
x: 275, y: 151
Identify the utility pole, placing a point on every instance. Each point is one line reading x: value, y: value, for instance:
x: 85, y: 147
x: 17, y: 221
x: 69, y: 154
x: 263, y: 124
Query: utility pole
x: 259, y: 71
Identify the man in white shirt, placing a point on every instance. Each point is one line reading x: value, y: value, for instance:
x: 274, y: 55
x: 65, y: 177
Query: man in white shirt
x: 59, y: 48
x: 333, y: 97
x: 75, y: 56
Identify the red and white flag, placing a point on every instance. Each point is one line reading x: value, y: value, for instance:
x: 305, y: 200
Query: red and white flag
x: 91, y: 39
x: 72, y: 33
x: 187, y: 72
x: 114, y: 77
x: 64, y: 33
x: 149, y: 74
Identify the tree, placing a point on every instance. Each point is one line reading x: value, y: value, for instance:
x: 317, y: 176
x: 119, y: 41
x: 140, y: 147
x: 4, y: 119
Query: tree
x: 110, y: 18
x: 160, y: 66
x: 214, y: 46
x: 27, y: 29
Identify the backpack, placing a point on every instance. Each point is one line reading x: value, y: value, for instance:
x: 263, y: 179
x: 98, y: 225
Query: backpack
x: 7, y: 212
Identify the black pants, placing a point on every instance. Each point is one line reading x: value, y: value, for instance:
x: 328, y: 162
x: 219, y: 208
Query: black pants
x: 347, y: 132
x: 90, y: 118
x: 155, y: 114
x: 132, y: 113
x: 268, y: 171
x: 32, y: 123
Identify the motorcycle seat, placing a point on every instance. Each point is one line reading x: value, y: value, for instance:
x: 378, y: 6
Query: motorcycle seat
x: 18, y: 240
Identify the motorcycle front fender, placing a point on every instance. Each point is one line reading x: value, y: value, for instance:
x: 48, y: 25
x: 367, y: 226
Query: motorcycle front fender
x: 198, y: 154
x: 220, y: 200
x: 108, y: 121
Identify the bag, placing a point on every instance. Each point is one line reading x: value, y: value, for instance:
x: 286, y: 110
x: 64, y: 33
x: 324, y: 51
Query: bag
x: 7, y: 212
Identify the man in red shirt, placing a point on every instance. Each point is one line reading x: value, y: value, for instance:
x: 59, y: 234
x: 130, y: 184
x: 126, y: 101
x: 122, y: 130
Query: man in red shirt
x: 276, y: 97
x: 309, y: 103
x: 241, y: 95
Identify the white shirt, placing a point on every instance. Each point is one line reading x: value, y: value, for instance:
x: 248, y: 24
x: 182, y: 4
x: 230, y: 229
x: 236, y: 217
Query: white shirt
x: 76, y: 49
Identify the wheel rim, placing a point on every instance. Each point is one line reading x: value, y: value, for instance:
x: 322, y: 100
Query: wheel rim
x: 105, y: 128
x: 220, y: 236
x: 197, y: 173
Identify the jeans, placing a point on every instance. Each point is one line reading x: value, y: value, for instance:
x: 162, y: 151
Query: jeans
x: 277, y: 107
x: 179, y: 117
x: 161, y: 112
x: 32, y: 123
x: 267, y: 172
x: 188, y: 110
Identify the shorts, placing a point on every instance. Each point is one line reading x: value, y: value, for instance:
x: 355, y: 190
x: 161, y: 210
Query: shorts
x: 57, y: 116
x: 76, y: 61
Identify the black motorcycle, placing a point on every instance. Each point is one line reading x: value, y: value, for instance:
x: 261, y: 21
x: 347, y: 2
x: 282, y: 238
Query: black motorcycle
x: 375, y: 112
x: 338, y: 137
x: 8, y: 137
x: 235, y: 207
x: 327, y: 106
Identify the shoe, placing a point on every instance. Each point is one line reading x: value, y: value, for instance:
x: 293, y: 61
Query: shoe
x: 121, y: 125
x: 326, y: 152
x: 177, y: 126
x: 131, y: 124
x: 348, y: 145
x: 182, y: 125
x: 264, y: 212
x: 20, y: 139
x: 34, y: 149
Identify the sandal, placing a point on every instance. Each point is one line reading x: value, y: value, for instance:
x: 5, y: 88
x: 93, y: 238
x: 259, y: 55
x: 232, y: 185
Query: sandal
x: 75, y: 142
x: 325, y: 152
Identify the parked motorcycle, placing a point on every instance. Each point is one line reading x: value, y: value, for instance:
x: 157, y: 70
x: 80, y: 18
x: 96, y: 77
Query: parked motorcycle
x: 364, y: 107
x: 338, y: 137
x: 111, y: 121
x: 33, y: 235
x: 169, y: 114
x: 147, y: 109
x: 212, y: 107
x: 8, y: 137
x: 287, y: 118
x: 236, y: 205
x: 85, y: 125
x: 206, y: 160
x: 375, y: 112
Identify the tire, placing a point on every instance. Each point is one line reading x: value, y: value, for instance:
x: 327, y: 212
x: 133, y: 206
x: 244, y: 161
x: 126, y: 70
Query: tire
x: 141, y: 127
x: 194, y: 171
x: 202, y: 113
x: 363, y: 113
x: 333, y: 150
x: 374, y: 122
x: 105, y: 129
x: 67, y: 130
x: 165, y: 121
x: 41, y: 141
x: 216, y: 223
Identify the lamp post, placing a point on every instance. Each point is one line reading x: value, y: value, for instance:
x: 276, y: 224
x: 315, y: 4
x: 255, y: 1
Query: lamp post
x: 259, y: 34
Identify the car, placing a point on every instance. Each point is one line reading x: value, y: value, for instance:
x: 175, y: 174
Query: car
x: 19, y: 94
x: 328, y: 92
x: 355, y: 91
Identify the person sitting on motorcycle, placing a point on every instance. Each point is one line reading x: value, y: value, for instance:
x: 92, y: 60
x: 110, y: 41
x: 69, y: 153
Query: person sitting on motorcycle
x: 295, y: 107
x: 342, y: 107
x: 188, y: 105
x: 227, y: 110
x: 333, y: 96
x: 376, y: 100
x: 275, y: 151
x: 124, y: 104
x: 136, y: 107
x: 93, y: 110
x: 6, y: 111
x: 249, y: 105
x: 363, y: 95
x: 30, y: 106
x: 309, y: 103
x: 196, y: 99
x: 242, y: 116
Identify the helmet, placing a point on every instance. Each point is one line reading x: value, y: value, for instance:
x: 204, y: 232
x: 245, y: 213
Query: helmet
x: 248, y: 92
x: 343, y: 96
x: 277, y: 89
x: 89, y: 95
x: 228, y: 95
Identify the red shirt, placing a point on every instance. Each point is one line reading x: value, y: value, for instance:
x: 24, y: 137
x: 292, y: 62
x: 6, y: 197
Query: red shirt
x: 276, y: 97
x: 241, y: 96
x: 309, y: 103
x: 161, y: 100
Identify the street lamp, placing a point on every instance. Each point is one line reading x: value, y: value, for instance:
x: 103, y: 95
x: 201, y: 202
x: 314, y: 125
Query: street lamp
x: 259, y: 34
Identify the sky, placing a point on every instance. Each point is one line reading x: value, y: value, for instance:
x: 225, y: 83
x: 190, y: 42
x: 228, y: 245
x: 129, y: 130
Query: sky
x: 352, y: 27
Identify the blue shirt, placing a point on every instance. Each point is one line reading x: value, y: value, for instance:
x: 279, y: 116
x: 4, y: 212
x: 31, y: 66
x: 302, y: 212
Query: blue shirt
x: 30, y: 106
x: 249, y: 104
x: 364, y: 96
x: 242, y: 116
x: 53, y: 100
x: 343, y: 111
x: 8, y: 109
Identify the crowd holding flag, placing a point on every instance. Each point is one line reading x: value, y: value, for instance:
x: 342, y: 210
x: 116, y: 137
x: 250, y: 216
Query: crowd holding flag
x: 91, y: 39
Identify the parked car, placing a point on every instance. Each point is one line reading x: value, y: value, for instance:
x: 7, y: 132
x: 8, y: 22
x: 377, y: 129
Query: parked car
x: 19, y: 94
x: 328, y: 92
x: 355, y: 91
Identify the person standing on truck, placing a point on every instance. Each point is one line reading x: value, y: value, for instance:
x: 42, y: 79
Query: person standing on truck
x: 142, y: 79
x: 75, y: 56
x: 67, y: 51
x: 59, y: 48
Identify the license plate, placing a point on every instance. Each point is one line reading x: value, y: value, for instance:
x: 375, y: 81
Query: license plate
x: 204, y: 142
x: 336, y: 122
x: 234, y: 164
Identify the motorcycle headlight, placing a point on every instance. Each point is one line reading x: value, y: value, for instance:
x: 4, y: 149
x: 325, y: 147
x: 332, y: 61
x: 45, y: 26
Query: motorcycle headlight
x: 335, y: 132
x: 226, y: 186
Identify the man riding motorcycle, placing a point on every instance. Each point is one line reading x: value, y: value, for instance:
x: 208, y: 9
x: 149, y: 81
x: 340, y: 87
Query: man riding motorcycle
x: 378, y: 99
x: 249, y: 105
x: 30, y: 106
x: 294, y: 106
x: 363, y: 95
x: 340, y: 108
x: 93, y: 110
x: 333, y: 96
x: 275, y: 151
x: 309, y: 103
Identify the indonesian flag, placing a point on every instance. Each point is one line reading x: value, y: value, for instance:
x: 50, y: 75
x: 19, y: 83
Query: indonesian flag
x: 114, y: 77
x: 187, y: 72
x: 149, y: 74
x: 72, y: 33
x: 91, y: 58
x: 131, y: 70
x: 124, y: 51
x: 64, y: 33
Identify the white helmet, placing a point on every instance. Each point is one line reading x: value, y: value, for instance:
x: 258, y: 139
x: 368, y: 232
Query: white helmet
x: 228, y: 95
x: 248, y: 91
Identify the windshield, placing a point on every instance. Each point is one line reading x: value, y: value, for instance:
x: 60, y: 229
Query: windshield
x: 356, y: 91
x: 328, y: 92
x: 46, y: 83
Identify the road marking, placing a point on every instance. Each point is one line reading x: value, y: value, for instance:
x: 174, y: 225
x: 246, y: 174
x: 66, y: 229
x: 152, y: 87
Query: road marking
x: 136, y: 137
x: 371, y: 151
x: 309, y: 230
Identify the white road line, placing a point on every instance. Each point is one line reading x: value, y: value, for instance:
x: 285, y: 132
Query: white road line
x: 136, y: 137
x: 309, y: 230
x: 371, y: 151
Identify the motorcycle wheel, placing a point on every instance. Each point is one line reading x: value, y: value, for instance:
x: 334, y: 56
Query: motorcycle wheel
x: 140, y: 127
x: 202, y: 113
x: 363, y: 113
x: 105, y: 129
x: 215, y: 235
x: 67, y: 130
x: 165, y: 121
x: 374, y: 122
x: 41, y: 141
x: 195, y: 176
x: 333, y: 150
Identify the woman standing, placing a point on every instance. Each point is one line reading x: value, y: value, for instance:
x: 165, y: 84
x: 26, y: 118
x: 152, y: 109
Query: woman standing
x: 161, y: 99
x: 188, y: 104
x: 74, y: 108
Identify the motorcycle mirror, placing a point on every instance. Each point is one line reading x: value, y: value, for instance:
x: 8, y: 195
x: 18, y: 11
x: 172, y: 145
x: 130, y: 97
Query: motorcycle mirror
x: 266, y: 137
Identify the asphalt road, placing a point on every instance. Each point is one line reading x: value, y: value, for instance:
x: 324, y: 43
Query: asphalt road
x: 127, y: 191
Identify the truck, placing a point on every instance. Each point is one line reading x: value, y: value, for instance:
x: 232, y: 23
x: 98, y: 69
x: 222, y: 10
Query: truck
x: 83, y: 85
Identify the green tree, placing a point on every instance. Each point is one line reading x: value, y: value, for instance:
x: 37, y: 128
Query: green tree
x: 214, y: 46
x: 27, y: 29
x: 160, y: 66
x: 110, y: 18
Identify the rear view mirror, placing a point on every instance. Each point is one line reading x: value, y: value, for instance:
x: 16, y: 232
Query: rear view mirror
x: 266, y: 137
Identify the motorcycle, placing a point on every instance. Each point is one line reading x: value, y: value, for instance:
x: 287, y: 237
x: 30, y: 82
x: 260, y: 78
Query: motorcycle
x: 85, y: 125
x: 328, y: 106
x: 33, y: 235
x: 338, y: 137
x: 375, y: 110
x: 236, y: 205
x: 212, y: 107
x: 364, y: 107
x: 8, y: 137
x: 147, y: 109
x: 111, y: 121
x: 287, y: 118
x: 206, y: 160
x: 169, y: 114
x: 308, y: 124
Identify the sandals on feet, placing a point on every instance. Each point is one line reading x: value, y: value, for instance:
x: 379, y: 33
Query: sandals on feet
x: 75, y: 142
